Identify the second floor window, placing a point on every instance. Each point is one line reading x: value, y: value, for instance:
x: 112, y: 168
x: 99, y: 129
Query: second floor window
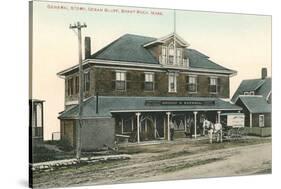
x: 149, y: 82
x: 70, y: 87
x: 87, y: 81
x: 120, y: 81
x: 213, y: 87
x: 192, y: 84
x: 172, y: 82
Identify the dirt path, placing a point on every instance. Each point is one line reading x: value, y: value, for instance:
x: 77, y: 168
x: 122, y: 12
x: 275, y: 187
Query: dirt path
x: 244, y: 160
x: 167, y: 162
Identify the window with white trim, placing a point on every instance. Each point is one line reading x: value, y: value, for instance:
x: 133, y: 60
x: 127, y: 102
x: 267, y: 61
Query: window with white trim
x: 172, y: 82
x: 70, y: 87
x: 120, y: 81
x: 213, y: 87
x: 261, y: 120
x: 171, y: 54
x: 149, y: 82
x: 246, y: 93
x: 192, y: 84
x: 164, y: 55
x: 179, y: 56
x: 252, y: 92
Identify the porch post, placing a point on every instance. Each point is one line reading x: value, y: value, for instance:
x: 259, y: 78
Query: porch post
x: 122, y: 125
x: 145, y: 125
x: 195, y: 124
x: 133, y: 123
x: 251, y: 120
x: 219, y: 121
x: 219, y: 116
x: 168, y: 125
x: 155, y: 130
x: 185, y: 123
x: 138, y: 126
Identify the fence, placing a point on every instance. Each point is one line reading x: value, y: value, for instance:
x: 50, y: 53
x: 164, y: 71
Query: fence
x: 259, y: 131
x: 56, y: 136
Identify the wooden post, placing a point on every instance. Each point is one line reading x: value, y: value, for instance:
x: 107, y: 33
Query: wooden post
x: 195, y: 124
x: 219, y: 116
x: 145, y: 126
x: 219, y: 121
x: 155, y: 129
x: 138, y: 127
x: 133, y: 123
x: 251, y: 120
x: 122, y: 125
x: 164, y: 127
x: 79, y: 26
x: 168, y: 125
x: 185, y: 124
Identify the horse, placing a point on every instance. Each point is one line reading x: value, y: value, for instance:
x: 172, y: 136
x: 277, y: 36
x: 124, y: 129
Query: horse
x: 213, y: 129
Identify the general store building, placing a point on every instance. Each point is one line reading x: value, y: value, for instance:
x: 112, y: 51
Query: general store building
x: 135, y: 85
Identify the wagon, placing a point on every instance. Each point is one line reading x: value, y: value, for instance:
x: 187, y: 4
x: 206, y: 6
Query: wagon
x: 233, y: 125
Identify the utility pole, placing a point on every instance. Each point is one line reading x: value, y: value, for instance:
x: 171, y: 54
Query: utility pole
x: 79, y: 26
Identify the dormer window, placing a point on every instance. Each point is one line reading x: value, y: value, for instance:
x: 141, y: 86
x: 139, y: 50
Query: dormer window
x: 171, y: 54
x: 163, y: 59
x: 179, y: 56
x: 252, y: 93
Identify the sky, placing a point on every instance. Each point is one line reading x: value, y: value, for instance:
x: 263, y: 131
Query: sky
x: 237, y: 41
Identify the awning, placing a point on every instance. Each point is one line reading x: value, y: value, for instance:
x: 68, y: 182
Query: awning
x: 117, y: 104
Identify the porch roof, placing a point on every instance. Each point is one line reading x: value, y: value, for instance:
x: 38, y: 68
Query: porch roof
x: 113, y: 104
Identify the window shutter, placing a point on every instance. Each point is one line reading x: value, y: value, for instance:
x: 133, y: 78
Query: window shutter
x: 142, y: 80
x: 66, y: 87
x: 219, y: 85
x: 128, y: 76
x: 187, y: 82
x: 155, y: 81
x: 113, y: 75
x: 197, y: 83
x: 128, y: 80
x: 209, y: 83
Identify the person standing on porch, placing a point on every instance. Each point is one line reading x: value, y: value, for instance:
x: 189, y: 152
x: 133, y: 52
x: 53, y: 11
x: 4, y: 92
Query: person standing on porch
x: 172, y: 129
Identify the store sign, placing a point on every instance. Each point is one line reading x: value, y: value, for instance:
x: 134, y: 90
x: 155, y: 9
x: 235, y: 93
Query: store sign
x: 235, y: 120
x: 179, y: 102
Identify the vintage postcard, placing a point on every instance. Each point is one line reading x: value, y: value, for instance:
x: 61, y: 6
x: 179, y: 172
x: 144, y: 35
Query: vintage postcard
x: 129, y: 94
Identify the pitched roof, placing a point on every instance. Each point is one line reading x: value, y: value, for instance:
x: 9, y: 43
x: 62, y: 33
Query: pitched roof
x: 108, y: 104
x: 130, y: 48
x: 260, y: 86
x: 127, y: 48
x: 256, y: 104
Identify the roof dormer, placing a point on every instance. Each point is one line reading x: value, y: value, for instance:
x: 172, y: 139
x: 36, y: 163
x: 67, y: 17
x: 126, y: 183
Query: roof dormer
x: 172, y: 51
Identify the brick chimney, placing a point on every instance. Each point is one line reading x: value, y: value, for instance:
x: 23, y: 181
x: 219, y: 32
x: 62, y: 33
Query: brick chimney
x: 87, y: 47
x: 263, y: 73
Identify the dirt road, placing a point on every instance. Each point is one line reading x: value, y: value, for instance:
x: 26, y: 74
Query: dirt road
x: 168, y: 162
